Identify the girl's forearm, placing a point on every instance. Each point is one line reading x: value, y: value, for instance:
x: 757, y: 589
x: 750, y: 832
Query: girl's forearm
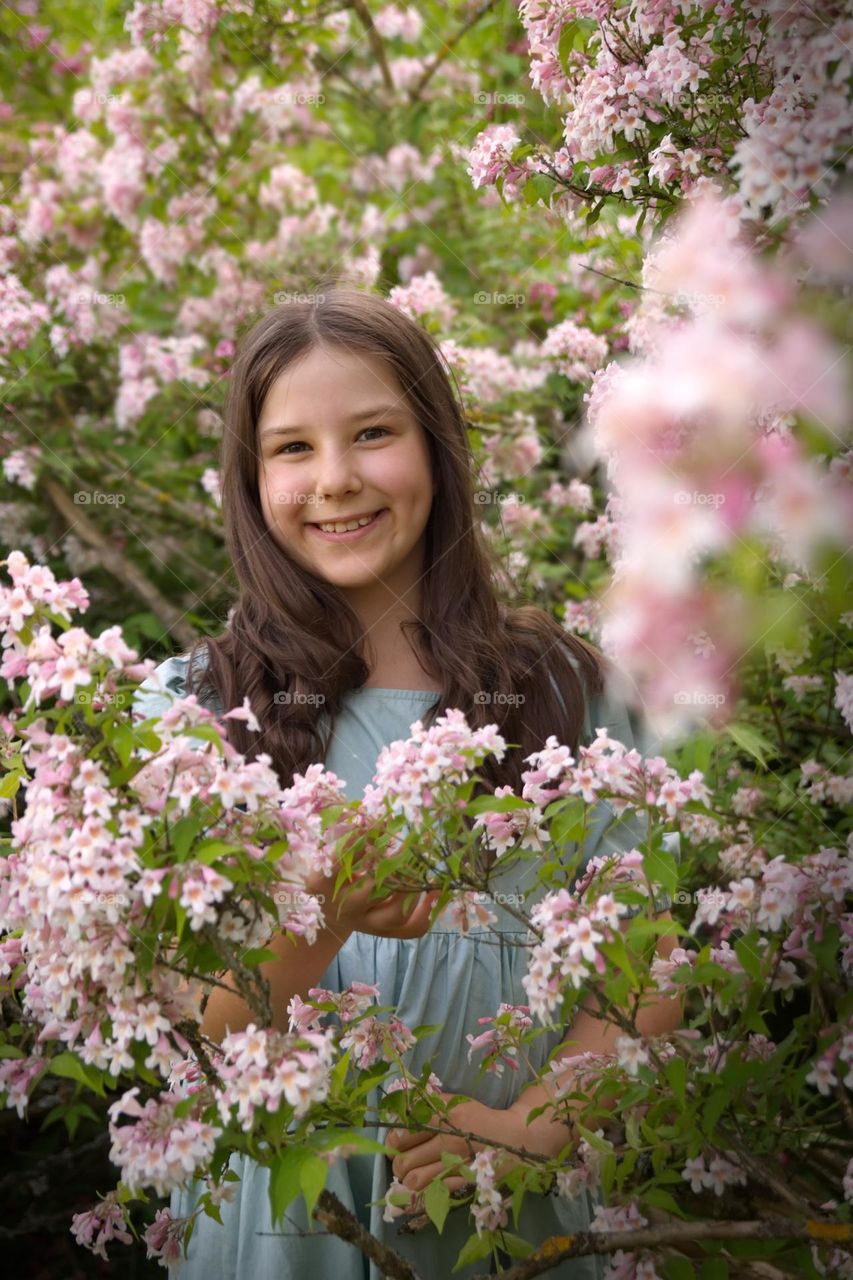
x: 298, y: 966
x: 588, y: 1034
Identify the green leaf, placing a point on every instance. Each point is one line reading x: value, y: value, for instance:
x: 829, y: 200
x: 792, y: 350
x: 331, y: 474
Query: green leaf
x: 749, y: 957
x: 474, y: 1249
x: 184, y: 832
x: 69, y: 1067
x: 714, y: 1269
x: 675, y: 1071
x: 662, y: 1200
x: 515, y: 1246
x: 437, y: 1203
x: 312, y: 1179
x: 284, y: 1184
x: 9, y: 785
x: 750, y: 741
x: 677, y: 1269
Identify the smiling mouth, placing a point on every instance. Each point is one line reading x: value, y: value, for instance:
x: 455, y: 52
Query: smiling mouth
x: 347, y: 534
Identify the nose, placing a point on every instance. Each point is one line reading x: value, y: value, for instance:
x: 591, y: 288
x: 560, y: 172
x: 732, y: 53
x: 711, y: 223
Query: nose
x: 336, y: 473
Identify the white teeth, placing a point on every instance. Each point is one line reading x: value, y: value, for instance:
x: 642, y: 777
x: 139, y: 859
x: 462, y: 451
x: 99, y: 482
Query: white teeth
x: 345, y: 528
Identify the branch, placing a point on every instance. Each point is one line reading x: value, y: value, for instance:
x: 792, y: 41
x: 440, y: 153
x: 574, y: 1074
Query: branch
x: 559, y: 1248
x: 447, y: 48
x: 375, y: 41
x: 123, y: 569
x: 336, y: 1218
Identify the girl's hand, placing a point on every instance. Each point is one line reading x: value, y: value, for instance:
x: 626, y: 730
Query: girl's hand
x: 418, y: 1160
x: 355, y: 910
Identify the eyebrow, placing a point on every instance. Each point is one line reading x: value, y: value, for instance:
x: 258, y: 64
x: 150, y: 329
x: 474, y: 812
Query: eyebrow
x: 282, y: 430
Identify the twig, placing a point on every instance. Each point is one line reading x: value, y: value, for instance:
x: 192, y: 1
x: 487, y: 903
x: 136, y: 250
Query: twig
x: 336, y: 1218
x: 123, y: 569
x: 447, y: 48
x: 375, y: 41
x: 559, y: 1248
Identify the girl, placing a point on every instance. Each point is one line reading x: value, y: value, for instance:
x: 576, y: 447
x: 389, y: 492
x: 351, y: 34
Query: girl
x: 368, y: 600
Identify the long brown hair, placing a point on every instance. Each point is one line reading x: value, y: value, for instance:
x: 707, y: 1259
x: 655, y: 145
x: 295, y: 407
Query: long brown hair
x: 293, y: 633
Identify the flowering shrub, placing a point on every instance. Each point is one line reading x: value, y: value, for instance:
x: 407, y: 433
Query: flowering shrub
x: 149, y: 218
x: 133, y: 871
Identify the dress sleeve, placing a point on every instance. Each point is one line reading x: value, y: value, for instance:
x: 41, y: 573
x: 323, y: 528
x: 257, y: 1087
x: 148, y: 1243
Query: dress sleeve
x: 607, y: 710
x: 158, y: 691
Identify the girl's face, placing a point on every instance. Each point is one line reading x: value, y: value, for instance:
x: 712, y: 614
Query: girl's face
x: 337, y: 440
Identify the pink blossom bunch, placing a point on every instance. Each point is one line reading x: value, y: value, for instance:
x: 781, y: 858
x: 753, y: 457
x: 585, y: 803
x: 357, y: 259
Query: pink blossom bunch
x: 569, y: 946
x: 409, y: 774
x: 490, y: 1208
x: 486, y: 376
x: 624, y: 1266
x: 260, y: 1068
x: 642, y: 64
x: 16, y: 1077
x: 19, y: 466
x: 96, y: 1227
x: 467, y: 911
x: 159, y: 1149
x: 490, y: 157
x: 394, y: 22
x: 719, y: 1174
x: 164, y: 1238
x: 698, y: 445
x: 149, y: 363
x: 502, y: 1039
x: 585, y: 1173
x: 837, y: 1057
x: 511, y: 455
x: 369, y: 1038
x: 821, y: 784
x: 22, y: 315
x: 513, y: 829
x: 424, y: 297
x: 372, y: 1040
x: 799, y: 899
x: 574, y: 350
x: 607, y: 768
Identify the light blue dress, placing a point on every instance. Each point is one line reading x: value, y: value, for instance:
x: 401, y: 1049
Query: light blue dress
x: 441, y: 978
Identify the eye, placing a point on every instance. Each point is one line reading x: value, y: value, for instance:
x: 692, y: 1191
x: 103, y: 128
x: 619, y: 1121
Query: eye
x: 285, y: 448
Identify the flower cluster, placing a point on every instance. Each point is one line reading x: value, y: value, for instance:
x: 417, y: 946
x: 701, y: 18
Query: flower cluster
x: 696, y: 435
x: 719, y: 1174
x: 369, y: 1038
x: 574, y: 350
x: 490, y: 1208
x: 649, y: 108
x: 159, y: 1149
x: 411, y: 772
x: 503, y: 1037
x: 260, y: 1068
x: 569, y: 949
x: 607, y: 768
